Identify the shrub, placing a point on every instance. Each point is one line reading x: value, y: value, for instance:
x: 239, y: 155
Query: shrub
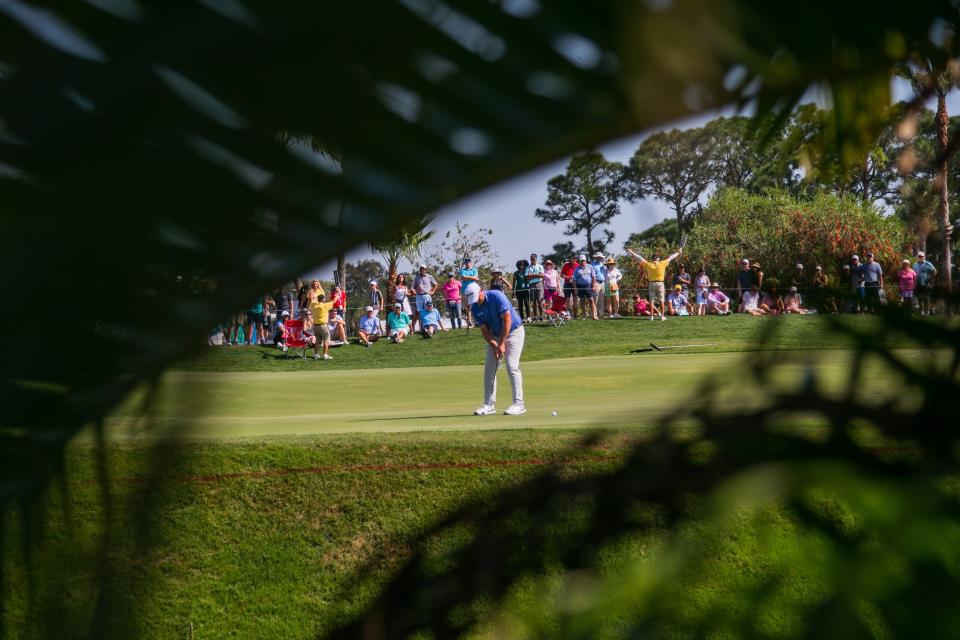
x: 779, y: 230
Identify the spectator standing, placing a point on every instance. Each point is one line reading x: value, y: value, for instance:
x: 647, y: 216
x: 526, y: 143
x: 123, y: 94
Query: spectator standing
x: 600, y: 279
x: 320, y: 314
x: 339, y: 299
x: 757, y: 275
x: 285, y: 298
x: 569, y: 285
x: 451, y: 294
x: 872, y: 281
x: 551, y: 282
x: 468, y: 274
x: 398, y: 323
x: 430, y: 320
x: 611, y: 289
x: 907, y: 284
x: 400, y: 293
x: 717, y: 301
x: 269, y: 318
x: 316, y: 289
x: 857, y: 287
x: 683, y: 279
x: 656, y: 271
x: 822, y: 298
x: 799, y: 278
x: 425, y: 285
x: 504, y: 334
x: 744, y: 278
x: 368, y: 329
x: 497, y: 281
x: 702, y: 287
x: 520, y: 290
x: 926, y: 277
x: 376, y: 296
x: 533, y: 274
x: 255, y: 331
x: 585, y: 279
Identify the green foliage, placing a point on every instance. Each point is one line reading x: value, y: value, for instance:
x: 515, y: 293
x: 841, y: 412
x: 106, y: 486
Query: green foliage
x: 447, y: 255
x: 778, y: 230
x: 585, y: 197
x: 360, y: 274
x: 675, y: 167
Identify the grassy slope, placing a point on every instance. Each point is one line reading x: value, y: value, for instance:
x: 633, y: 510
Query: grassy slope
x: 577, y: 339
x: 258, y: 555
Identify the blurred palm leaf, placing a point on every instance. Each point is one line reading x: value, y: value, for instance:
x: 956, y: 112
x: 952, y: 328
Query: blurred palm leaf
x: 159, y: 164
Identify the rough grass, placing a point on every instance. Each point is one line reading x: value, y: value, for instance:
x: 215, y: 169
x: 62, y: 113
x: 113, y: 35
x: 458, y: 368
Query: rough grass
x: 579, y: 338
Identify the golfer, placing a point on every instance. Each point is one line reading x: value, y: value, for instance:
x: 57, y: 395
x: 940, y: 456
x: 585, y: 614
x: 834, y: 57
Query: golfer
x: 503, y: 332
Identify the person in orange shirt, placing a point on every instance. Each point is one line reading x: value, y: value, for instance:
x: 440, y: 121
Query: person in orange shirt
x: 656, y: 270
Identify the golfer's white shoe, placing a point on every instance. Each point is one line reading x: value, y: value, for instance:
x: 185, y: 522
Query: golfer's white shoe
x: 515, y: 409
x: 485, y: 410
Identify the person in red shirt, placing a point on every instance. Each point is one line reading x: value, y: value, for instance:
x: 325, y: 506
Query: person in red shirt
x: 339, y: 299
x: 569, y: 288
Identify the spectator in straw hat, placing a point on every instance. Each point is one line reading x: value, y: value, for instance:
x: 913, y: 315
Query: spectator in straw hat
x: 611, y: 288
x: 717, y: 301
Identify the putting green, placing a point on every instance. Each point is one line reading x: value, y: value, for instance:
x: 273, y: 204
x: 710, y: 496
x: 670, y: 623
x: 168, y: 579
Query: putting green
x: 585, y: 392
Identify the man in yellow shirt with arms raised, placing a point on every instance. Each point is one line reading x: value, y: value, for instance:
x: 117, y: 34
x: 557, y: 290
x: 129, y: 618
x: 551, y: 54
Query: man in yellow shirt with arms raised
x: 656, y: 270
x: 320, y: 311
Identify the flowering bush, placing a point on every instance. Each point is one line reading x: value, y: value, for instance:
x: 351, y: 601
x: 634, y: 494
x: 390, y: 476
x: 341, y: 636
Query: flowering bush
x: 777, y: 230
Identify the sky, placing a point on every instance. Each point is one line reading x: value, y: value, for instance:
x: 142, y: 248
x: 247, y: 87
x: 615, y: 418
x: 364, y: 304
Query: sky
x: 508, y: 208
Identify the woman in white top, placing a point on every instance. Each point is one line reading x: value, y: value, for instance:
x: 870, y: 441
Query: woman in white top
x: 702, y: 284
x: 399, y: 293
x: 611, y: 289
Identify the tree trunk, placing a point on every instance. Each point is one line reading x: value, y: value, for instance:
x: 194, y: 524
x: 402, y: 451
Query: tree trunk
x: 589, y: 233
x: 943, y: 210
x: 342, y: 271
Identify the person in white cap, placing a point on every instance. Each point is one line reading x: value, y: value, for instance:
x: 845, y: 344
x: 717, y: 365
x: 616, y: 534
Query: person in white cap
x: 376, y: 296
x: 369, y: 328
x: 926, y: 278
x: 799, y: 279
x: 585, y: 279
x: 503, y: 331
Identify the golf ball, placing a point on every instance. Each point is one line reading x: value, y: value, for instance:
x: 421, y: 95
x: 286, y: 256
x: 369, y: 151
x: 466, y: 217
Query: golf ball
x: 554, y: 414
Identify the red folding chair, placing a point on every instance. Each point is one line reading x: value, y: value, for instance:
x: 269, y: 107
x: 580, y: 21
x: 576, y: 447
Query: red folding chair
x: 558, y: 309
x: 296, y: 339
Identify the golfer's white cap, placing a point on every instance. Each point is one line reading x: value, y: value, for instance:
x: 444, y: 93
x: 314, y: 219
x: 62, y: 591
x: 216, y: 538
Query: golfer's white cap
x: 368, y: 309
x: 472, y: 292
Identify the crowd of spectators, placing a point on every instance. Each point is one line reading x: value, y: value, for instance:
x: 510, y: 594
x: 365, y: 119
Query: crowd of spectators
x: 580, y: 288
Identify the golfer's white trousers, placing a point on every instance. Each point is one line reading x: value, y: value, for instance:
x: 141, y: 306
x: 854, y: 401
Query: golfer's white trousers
x: 512, y: 358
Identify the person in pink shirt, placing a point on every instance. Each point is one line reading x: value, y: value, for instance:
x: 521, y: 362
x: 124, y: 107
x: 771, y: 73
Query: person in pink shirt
x: 907, y: 283
x: 640, y: 306
x: 451, y: 293
x: 551, y: 281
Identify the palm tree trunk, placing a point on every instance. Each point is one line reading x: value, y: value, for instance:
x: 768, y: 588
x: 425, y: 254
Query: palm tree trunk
x: 943, y: 210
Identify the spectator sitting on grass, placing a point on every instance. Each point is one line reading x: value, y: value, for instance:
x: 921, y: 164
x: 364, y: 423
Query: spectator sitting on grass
x: 398, y: 323
x: 717, y: 301
x: 770, y: 301
x: 338, y: 327
x: 750, y: 303
x: 793, y: 303
x: 430, y: 320
x: 677, y: 303
x: 640, y: 306
x: 368, y: 329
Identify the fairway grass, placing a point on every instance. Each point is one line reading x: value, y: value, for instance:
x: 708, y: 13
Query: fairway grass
x: 610, y: 391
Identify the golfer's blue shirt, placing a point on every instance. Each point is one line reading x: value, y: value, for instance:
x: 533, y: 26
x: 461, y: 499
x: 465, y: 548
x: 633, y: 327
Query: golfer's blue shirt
x: 490, y: 312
